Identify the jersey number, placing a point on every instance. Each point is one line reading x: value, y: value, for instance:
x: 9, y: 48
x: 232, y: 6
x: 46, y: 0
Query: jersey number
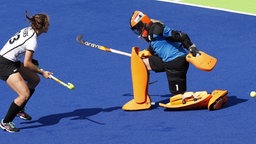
x: 14, y: 38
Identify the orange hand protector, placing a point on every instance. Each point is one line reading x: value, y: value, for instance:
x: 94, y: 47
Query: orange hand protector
x: 144, y: 54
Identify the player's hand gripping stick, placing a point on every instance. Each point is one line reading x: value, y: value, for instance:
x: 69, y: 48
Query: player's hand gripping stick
x: 68, y: 85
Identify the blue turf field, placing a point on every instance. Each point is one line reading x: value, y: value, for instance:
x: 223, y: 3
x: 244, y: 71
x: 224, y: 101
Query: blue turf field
x: 92, y: 112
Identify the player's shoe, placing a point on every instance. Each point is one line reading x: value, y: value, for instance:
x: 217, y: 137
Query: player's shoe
x: 23, y: 115
x: 10, y: 127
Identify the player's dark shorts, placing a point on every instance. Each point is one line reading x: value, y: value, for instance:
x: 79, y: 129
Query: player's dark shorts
x: 176, y: 71
x: 8, y: 67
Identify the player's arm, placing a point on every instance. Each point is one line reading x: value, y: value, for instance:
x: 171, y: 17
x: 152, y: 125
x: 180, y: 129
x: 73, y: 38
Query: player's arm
x: 178, y: 36
x: 160, y: 30
x: 28, y: 63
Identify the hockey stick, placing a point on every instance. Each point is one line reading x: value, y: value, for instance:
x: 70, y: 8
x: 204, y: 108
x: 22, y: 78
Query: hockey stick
x: 68, y: 85
x: 80, y: 40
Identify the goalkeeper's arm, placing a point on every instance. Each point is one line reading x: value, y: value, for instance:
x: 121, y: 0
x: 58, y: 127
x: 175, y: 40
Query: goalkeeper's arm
x: 178, y: 36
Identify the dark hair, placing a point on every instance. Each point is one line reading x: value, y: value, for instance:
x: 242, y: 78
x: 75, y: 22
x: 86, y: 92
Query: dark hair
x: 38, y: 21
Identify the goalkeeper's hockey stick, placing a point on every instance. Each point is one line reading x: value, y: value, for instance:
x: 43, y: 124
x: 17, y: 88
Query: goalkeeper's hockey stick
x: 80, y: 40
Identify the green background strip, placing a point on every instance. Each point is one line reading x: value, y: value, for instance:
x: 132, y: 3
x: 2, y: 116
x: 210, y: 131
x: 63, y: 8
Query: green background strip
x: 244, y: 6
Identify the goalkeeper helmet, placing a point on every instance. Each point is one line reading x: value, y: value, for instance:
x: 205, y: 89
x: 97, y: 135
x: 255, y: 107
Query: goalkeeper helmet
x: 139, y: 22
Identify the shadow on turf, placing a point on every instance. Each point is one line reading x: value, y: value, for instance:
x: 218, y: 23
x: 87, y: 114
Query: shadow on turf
x: 79, y: 114
x: 233, y: 100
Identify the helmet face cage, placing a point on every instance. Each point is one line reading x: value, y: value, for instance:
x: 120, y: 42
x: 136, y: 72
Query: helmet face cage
x: 137, y: 29
x: 138, y: 22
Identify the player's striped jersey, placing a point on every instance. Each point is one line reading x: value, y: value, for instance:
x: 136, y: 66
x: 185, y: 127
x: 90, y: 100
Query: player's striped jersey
x: 16, y: 46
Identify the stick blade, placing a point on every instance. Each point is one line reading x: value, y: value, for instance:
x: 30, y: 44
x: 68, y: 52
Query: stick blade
x: 79, y: 39
x: 71, y: 86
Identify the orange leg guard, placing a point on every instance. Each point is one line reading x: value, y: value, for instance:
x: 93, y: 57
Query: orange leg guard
x: 139, y: 72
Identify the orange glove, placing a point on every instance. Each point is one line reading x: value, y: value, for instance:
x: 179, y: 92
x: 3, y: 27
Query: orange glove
x: 144, y: 54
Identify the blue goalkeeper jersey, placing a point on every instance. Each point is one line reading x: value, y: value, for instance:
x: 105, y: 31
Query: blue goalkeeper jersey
x: 166, y: 49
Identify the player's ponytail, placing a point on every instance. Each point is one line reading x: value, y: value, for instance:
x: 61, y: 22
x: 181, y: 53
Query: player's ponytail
x: 38, y: 21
